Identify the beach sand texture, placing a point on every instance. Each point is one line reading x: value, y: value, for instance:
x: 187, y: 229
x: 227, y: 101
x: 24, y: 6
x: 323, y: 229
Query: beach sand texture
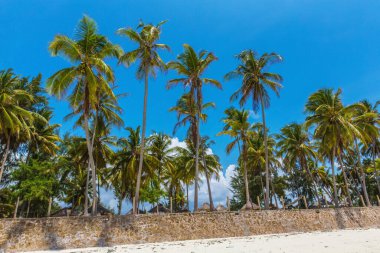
x: 347, y: 241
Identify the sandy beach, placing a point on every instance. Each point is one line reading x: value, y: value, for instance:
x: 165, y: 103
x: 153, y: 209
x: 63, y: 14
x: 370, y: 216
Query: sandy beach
x: 347, y: 241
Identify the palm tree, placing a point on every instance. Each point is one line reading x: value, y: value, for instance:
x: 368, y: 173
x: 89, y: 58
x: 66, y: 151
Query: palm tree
x: 89, y: 75
x: 209, y: 169
x: 187, y: 113
x: 16, y: 121
x: 191, y: 66
x: 210, y: 162
x: 332, y: 127
x: 43, y: 137
x: 127, y: 160
x: 255, y: 82
x: 160, y: 149
x: 72, y: 162
x: 256, y: 152
x: 150, y: 61
x: 237, y: 127
x: 296, y: 148
x: 173, y: 177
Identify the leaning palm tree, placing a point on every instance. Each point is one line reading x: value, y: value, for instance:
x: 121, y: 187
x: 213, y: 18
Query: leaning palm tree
x: 296, y: 148
x: 89, y: 75
x: 15, y: 121
x: 255, y: 82
x: 191, y: 66
x: 333, y: 127
x: 147, y: 53
x: 237, y: 127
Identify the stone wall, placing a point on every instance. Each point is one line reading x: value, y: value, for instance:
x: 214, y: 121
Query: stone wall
x: 76, y: 232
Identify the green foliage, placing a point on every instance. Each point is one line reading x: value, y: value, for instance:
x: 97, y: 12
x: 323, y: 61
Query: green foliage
x: 35, y: 181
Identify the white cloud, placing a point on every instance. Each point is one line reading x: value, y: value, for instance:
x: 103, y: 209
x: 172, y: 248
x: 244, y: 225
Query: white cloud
x: 209, y: 151
x: 254, y: 115
x: 177, y: 143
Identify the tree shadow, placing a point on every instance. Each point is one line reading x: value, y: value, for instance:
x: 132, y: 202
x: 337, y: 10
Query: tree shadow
x: 103, y: 239
x: 339, y: 218
x: 18, y: 228
x: 50, y: 234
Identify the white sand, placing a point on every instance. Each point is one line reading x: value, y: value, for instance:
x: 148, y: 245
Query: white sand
x: 346, y: 241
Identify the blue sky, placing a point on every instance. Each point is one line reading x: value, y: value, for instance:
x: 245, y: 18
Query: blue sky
x: 323, y: 43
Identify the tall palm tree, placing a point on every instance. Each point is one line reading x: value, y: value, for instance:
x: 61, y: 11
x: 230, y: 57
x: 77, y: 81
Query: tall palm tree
x: 16, y: 121
x: 146, y: 37
x: 296, y: 148
x: 191, y: 66
x: 89, y: 75
x: 255, y: 82
x: 332, y: 127
x: 237, y: 127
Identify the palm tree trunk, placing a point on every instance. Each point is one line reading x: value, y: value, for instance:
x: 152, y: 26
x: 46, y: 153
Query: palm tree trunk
x: 208, y: 183
x: 187, y: 196
x: 345, y: 180
x: 196, y: 167
x: 209, y: 192
x: 138, y: 183
x: 334, y: 179
x: 266, y: 156
x: 27, y: 209
x: 119, y: 204
x: 88, y: 169
x: 5, y: 157
x: 273, y: 191
x: 49, y: 206
x: 262, y: 183
x: 362, y: 175
x: 92, y: 164
x: 248, y: 204
x: 98, y: 188
x: 16, y: 208
x: 86, y: 191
